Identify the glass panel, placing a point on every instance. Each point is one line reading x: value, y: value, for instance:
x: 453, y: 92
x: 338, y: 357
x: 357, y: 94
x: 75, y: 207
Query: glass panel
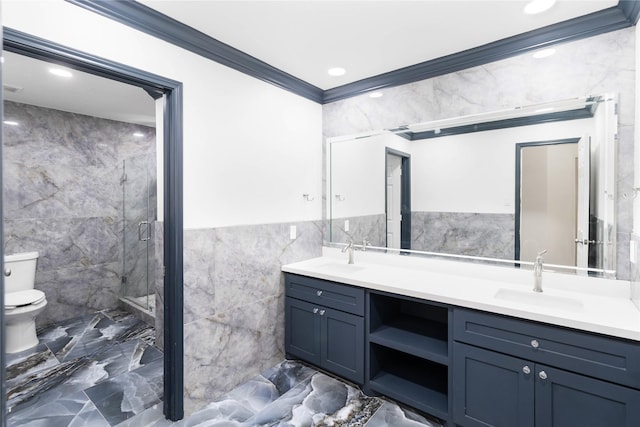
x: 138, y: 190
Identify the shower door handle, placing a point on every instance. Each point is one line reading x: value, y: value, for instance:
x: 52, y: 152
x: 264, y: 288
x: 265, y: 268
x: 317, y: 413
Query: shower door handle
x: 142, y: 236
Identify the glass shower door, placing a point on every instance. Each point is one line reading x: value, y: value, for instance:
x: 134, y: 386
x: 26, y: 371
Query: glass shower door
x: 138, y: 188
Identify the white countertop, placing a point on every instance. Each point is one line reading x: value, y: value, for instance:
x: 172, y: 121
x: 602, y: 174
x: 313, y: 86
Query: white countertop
x: 586, y: 303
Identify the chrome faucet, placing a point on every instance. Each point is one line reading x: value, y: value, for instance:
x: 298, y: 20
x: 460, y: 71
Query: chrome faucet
x: 349, y: 249
x: 365, y: 243
x: 537, y: 272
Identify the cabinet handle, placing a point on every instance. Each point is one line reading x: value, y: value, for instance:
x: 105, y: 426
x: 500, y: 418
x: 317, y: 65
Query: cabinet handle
x: 321, y: 312
x: 542, y: 375
x: 526, y: 370
x: 319, y: 292
x: 315, y: 311
x: 535, y: 343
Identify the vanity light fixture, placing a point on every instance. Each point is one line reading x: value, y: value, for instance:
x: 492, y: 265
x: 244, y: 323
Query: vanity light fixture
x: 138, y: 134
x: 11, y: 123
x: 336, y: 71
x: 538, y: 6
x: 60, y: 72
x: 375, y: 95
x: 544, y: 53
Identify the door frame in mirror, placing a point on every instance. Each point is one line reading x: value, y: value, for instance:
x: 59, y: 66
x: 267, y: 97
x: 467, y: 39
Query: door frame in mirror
x: 518, y: 199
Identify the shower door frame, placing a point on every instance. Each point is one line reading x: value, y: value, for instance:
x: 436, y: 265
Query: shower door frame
x: 157, y: 86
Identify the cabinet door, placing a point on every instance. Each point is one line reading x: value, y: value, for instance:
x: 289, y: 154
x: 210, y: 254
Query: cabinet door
x: 564, y: 399
x: 491, y: 389
x: 302, y: 330
x: 343, y: 344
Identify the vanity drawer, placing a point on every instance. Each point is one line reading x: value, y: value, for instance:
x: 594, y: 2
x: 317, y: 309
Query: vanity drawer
x: 610, y: 359
x: 346, y: 298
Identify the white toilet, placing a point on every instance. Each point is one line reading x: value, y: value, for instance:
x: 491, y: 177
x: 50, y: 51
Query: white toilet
x: 22, y: 303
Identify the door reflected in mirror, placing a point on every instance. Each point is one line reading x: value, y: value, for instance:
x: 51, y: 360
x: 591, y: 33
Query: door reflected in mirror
x: 463, y: 192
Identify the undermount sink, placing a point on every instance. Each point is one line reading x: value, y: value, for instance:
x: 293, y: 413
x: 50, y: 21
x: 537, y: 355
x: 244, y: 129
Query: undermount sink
x: 539, y: 299
x: 337, y: 267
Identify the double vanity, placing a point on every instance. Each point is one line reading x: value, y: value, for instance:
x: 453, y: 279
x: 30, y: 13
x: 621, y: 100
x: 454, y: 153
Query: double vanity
x: 470, y: 344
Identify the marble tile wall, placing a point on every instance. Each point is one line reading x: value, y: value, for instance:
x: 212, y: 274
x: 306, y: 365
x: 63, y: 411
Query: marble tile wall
x: 371, y: 227
x: 635, y: 271
x: 485, y: 235
x: 596, y: 65
x: 63, y: 198
x: 234, y: 302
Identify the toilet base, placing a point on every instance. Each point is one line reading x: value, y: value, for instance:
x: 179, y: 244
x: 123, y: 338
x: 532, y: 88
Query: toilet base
x: 20, y: 336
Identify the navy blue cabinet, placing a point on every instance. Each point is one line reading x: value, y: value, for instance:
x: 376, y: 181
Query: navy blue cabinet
x: 491, y: 389
x: 587, y: 386
x: 319, y: 331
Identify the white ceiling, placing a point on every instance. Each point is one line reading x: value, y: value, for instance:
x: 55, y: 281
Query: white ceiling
x: 303, y: 38
x: 83, y: 93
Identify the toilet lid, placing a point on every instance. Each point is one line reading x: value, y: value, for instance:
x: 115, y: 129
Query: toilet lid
x: 22, y: 298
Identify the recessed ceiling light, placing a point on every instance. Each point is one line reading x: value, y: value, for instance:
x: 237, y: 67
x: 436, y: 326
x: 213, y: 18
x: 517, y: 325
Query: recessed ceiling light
x: 375, y: 94
x: 544, y: 53
x: 11, y: 123
x: 538, y: 6
x: 60, y: 72
x: 138, y: 134
x: 336, y: 71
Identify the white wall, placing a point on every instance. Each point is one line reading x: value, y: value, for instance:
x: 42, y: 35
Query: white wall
x: 469, y: 173
x: 357, y: 171
x: 250, y: 149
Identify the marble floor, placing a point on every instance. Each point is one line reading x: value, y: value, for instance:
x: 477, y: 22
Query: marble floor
x: 102, y: 370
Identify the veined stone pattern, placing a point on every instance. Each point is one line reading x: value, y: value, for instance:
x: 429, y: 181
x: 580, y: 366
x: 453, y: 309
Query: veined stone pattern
x: 234, y: 302
x: 371, y: 227
x: 592, y: 66
x: 461, y: 233
x: 63, y: 198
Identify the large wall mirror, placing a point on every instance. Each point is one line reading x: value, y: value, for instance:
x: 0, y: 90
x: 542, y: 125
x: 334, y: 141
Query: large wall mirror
x: 502, y: 185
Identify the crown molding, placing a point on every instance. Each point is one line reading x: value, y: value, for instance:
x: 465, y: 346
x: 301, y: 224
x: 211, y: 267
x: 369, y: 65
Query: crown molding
x: 148, y: 20
x: 145, y: 19
x: 600, y: 22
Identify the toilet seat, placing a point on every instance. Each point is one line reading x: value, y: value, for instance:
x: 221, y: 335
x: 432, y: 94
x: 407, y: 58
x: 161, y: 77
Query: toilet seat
x: 14, y: 300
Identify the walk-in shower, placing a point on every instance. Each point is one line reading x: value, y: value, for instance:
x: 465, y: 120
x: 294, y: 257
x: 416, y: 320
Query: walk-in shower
x: 139, y: 207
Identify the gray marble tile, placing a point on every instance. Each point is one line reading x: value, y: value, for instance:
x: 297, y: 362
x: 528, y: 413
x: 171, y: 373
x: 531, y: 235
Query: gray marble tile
x: 390, y: 414
x: 74, y: 410
x: 128, y: 394
x: 63, y: 197
x: 486, y: 235
x: 29, y: 362
x: 373, y: 227
x: 79, y: 290
x: 635, y: 271
x: 66, y: 242
x: 234, y: 304
x: 320, y: 400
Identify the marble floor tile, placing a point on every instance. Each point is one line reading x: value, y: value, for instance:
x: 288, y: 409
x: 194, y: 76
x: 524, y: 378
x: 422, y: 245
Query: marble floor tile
x: 72, y: 410
x: 102, y: 370
x: 128, y: 394
x: 391, y: 414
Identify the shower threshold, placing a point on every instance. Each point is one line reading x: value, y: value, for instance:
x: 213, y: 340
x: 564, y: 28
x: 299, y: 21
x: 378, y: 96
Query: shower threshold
x: 139, y: 305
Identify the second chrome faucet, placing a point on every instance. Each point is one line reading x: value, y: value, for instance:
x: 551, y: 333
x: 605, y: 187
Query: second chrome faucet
x: 537, y: 272
x: 350, y: 247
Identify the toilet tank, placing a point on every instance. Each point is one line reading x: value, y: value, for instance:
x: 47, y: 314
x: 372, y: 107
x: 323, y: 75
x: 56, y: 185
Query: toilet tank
x: 20, y: 271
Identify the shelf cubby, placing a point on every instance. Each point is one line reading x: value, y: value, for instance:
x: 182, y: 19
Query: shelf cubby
x: 409, y: 326
x: 409, y: 379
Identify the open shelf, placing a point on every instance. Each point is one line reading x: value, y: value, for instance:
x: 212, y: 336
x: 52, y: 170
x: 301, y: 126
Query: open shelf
x: 413, y: 327
x: 410, y: 380
x: 415, y: 336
